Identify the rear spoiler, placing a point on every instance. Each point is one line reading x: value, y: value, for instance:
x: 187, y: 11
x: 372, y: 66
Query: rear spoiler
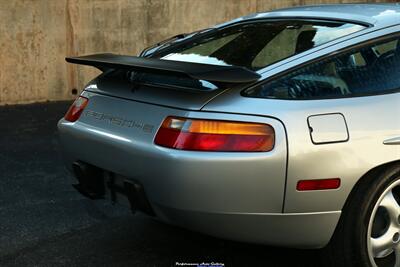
x: 207, y: 72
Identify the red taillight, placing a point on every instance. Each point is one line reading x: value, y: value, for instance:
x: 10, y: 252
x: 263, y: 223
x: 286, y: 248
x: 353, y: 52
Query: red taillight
x: 75, y: 111
x: 322, y: 184
x: 213, y: 135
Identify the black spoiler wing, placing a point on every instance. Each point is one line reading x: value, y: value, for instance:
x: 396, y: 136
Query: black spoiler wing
x: 207, y: 72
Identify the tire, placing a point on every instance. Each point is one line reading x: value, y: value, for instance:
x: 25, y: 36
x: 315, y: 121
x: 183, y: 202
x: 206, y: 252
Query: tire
x: 369, y: 213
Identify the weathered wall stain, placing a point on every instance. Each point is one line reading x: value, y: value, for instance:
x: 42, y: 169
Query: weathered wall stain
x: 36, y: 35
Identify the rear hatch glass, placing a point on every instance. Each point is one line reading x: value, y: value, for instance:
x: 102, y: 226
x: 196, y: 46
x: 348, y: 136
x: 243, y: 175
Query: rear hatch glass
x: 258, y: 44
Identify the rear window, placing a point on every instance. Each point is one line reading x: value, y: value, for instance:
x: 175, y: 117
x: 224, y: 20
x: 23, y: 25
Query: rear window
x: 252, y: 45
x: 258, y: 44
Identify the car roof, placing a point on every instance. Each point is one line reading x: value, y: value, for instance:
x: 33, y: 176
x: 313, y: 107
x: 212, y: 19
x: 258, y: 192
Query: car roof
x: 375, y: 15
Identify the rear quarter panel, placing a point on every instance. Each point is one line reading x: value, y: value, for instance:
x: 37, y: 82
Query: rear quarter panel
x: 370, y: 121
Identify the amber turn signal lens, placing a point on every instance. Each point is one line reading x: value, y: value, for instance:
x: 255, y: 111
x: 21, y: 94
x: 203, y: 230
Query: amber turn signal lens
x: 215, y: 135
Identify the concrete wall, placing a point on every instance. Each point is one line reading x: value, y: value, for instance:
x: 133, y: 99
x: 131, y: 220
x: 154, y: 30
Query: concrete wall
x: 36, y: 35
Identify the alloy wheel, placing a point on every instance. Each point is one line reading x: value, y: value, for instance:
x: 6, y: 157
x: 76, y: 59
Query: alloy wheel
x: 384, y: 229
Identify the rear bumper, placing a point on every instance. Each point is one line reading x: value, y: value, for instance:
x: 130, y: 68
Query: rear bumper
x: 305, y: 230
x: 237, y: 196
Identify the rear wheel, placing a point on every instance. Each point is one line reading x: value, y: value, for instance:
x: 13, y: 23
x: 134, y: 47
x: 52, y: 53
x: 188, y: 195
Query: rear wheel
x: 384, y: 228
x: 368, y: 233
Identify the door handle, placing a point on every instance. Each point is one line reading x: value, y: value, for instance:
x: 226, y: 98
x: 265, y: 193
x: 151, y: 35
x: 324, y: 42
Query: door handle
x: 392, y: 141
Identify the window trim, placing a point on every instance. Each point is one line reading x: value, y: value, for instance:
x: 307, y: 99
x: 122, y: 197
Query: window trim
x: 377, y: 40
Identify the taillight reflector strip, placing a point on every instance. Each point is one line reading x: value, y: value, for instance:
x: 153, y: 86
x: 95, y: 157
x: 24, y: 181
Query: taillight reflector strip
x: 320, y: 184
x: 215, y: 135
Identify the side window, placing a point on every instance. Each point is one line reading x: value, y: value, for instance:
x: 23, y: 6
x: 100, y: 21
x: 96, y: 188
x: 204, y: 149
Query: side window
x: 372, y: 69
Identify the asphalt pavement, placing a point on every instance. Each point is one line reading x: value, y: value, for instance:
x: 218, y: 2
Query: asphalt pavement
x: 45, y: 222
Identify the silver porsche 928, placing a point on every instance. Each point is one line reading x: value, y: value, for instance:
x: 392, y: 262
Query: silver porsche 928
x: 280, y: 128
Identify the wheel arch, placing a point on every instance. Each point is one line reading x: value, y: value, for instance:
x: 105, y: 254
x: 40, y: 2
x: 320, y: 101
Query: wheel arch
x: 369, y: 175
x: 342, y: 235
x: 362, y: 180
